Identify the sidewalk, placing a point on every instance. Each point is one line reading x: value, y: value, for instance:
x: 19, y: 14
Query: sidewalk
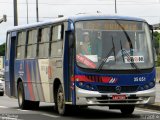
x: 155, y: 106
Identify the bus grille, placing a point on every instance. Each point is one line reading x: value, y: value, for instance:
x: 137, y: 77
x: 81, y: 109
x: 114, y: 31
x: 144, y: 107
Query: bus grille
x: 112, y: 89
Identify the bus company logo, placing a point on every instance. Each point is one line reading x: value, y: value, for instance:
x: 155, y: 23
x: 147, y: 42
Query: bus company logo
x: 118, y: 89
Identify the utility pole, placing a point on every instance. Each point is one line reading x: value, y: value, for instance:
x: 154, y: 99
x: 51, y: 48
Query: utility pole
x: 27, y: 10
x: 115, y: 6
x: 37, y: 11
x: 15, y: 14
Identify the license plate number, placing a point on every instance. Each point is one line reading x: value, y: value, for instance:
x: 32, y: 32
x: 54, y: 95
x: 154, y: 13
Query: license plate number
x: 119, y: 97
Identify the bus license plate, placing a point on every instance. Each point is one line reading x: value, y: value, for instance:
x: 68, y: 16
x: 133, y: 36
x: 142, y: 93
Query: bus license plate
x: 118, y: 97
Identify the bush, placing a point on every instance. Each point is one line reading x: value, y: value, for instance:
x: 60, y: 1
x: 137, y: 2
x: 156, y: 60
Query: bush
x: 158, y: 61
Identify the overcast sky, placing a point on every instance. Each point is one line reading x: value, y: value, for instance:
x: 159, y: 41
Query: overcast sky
x: 48, y: 9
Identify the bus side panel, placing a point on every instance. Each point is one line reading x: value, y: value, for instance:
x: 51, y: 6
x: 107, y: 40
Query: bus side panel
x: 19, y: 72
x: 37, y: 85
x: 44, y: 82
x: 29, y: 81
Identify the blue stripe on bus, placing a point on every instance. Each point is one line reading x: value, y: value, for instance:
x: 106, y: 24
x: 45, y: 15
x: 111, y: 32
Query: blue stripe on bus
x: 123, y: 79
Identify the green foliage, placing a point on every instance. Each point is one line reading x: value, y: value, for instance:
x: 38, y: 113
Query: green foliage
x: 157, y: 47
x: 156, y: 41
x: 2, y: 49
x: 158, y: 61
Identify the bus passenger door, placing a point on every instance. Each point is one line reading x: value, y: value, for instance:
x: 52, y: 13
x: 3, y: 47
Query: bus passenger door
x: 9, y: 64
x: 69, y: 67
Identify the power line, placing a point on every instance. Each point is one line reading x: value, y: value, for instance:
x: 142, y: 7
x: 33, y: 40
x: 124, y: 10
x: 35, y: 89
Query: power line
x: 56, y: 17
x: 29, y: 17
x: 119, y: 2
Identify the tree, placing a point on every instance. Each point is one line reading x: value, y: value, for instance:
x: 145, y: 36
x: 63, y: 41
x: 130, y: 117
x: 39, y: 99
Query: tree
x: 2, y: 49
x: 157, y: 41
x: 157, y: 47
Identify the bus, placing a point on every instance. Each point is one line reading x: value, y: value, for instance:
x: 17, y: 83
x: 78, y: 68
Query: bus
x: 45, y: 62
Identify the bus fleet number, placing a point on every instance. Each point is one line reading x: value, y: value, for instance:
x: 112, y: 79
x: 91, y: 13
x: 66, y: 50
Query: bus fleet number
x: 139, y: 79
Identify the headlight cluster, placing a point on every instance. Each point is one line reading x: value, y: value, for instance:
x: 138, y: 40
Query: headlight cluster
x: 147, y: 86
x: 86, y: 86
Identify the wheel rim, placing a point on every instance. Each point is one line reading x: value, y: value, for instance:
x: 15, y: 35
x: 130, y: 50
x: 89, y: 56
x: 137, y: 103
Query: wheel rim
x: 60, y: 101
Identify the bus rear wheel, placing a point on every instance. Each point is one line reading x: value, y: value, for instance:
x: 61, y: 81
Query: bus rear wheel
x: 1, y: 93
x: 21, y: 97
x: 25, y: 104
x: 61, y: 106
x: 127, y: 110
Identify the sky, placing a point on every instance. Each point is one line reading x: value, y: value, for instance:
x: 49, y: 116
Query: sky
x: 49, y: 9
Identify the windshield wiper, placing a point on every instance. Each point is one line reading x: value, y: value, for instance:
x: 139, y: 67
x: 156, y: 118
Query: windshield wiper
x: 132, y: 63
x: 131, y: 47
x: 122, y: 50
x: 107, y: 56
x: 126, y: 34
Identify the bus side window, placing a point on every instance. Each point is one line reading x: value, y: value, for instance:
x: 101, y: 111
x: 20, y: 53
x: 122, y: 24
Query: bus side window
x: 57, y: 41
x: 32, y: 44
x: 43, y: 42
x: 7, y: 46
x: 20, y: 48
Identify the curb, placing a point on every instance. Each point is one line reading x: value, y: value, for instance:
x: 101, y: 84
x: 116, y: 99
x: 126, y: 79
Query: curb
x: 155, y: 106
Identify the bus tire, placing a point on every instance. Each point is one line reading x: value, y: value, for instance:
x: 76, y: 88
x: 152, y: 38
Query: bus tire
x: 127, y: 110
x: 61, y: 106
x: 23, y: 104
x: 1, y: 93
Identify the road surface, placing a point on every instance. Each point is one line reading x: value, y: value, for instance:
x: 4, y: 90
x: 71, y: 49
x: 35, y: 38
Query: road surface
x: 9, y: 110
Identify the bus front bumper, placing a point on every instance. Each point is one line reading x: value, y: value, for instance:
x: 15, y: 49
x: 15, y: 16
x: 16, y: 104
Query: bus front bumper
x: 86, y: 97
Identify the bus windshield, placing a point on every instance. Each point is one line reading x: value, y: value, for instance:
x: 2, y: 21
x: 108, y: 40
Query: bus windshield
x: 113, y: 45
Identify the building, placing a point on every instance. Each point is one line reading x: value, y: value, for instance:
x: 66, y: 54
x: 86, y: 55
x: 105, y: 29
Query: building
x: 156, y: 27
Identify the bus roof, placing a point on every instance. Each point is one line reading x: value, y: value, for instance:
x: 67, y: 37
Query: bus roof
x: 102, y: 16
x: 75, y: 18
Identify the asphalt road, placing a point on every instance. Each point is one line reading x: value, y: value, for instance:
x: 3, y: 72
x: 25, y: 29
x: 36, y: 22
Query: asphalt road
x: 9, y: 111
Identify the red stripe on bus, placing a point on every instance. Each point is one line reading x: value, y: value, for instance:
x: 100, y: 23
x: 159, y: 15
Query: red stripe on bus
x: 29, y: 83
x: 81, y: 78
x: 101, y: 79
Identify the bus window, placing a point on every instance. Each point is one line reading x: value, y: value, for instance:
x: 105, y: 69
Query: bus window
x: 7, y: 46
x: 20, y: 49
x: 43, y: 41
x: 32, y: 44
x: 57, y: 41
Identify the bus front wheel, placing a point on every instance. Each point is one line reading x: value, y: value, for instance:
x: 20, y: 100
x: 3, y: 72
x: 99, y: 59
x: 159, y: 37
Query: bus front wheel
x: 61, y: 106
x: 127, y: 110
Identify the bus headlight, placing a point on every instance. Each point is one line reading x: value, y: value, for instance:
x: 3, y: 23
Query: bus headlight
x: 141, y: 88
x: 151, y: 84
x: 80, y: 84
x: 90, y: 87
x: 86, y: 86
x: 146, y: 86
